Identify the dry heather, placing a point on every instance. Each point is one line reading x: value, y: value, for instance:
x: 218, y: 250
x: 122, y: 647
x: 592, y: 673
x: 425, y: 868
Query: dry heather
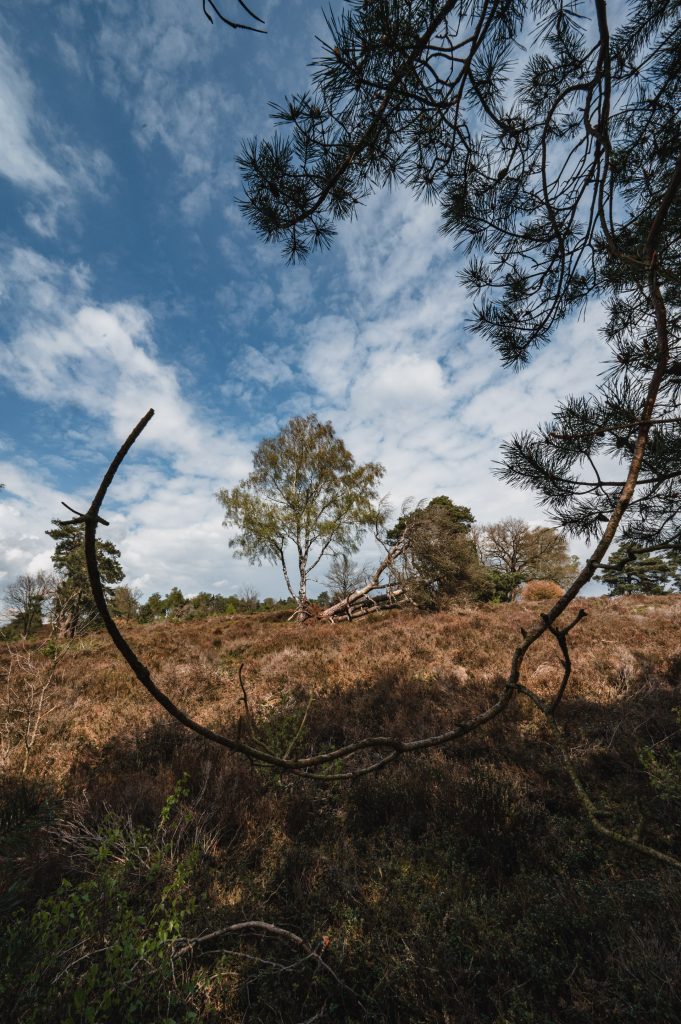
x: 459, y: 885
x: 405, y: 674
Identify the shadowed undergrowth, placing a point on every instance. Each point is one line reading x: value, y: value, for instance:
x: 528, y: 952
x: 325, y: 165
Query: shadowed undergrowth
x: 459, y: 885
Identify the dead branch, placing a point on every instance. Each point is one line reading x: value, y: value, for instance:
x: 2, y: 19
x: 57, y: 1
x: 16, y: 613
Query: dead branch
x: 184, y: 946
x: 358, y: 602
x: 394, y: 746
x: 592, y: 813
x: 227, y: 21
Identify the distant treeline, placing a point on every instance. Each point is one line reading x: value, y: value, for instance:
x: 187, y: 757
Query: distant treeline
x: 200, y: 606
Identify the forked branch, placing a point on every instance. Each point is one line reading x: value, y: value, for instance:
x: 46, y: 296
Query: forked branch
x: 227, y: 21
x: 386, y: 747
x: 588, y: 806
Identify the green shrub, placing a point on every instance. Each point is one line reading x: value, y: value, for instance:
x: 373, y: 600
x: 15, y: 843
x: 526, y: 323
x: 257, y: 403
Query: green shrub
x: 664, y: 769
x: 100, y: 949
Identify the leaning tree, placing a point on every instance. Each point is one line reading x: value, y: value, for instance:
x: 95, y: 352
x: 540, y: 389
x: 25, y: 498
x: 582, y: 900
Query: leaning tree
x: 552, y: 141
x: 557, y: 167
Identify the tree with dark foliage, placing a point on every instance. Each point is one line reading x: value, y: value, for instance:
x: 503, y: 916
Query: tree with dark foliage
x: 439, y: 560
x: 631, y: 572
x: 73, y: 608
x: 553, y: 145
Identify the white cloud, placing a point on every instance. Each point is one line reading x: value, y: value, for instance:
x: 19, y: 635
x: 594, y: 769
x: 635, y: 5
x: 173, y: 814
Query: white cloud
x: 69, y: 352
x: 169, y: 68
x: 20, y: 157
x: 268, y: 367
x: 54, y: 183
x: 392, y: 367
x: 169, y: 534
x: 397, y: 372
x: 71, y: 58
x: 153, y: 59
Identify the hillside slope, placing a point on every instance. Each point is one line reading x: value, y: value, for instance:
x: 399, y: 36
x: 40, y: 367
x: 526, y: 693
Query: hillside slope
x: 458, y: 885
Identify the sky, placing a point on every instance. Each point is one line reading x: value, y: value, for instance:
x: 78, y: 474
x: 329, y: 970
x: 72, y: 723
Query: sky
x: 130, y: 279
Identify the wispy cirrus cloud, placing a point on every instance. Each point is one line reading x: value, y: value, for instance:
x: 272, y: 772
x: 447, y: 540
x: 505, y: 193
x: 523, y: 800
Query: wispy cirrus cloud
x: 152, y: 59
x: 34, y: 157
x: 392, y: 363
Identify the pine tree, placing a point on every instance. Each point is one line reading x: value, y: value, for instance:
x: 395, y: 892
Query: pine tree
x: 73, y: 607
x: 439, y: 559
x: 557, y: 167
x: 629, y: 572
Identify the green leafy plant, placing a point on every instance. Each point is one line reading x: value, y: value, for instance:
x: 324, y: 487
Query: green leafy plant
x: 100, y: 949
x: 664, y: 769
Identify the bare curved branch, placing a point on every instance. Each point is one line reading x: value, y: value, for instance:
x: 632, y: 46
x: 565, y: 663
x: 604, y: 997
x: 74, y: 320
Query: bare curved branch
x: 394, y: 746
x: 227, y: 21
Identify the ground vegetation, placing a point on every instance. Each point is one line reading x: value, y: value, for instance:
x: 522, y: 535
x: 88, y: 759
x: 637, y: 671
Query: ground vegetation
x: 465, y: 883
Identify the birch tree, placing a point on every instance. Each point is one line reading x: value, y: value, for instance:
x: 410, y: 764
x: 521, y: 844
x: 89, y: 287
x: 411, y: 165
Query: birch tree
x: 305, y: 498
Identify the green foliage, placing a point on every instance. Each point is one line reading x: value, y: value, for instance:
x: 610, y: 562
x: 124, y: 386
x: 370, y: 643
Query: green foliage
x: 125, y: 603
x: 73, y: 606
x: 174, y: 600
x: 201, y: 606
x: 440, y: 559
x: 153, y: 608
x: 514, y: 550
x: 556, y: 167
x: 306, y: 491
x: 663, y: 766
x: 503, y: 585
x: 98, y: 951
x: 455, y: 518
x: 632, y: 572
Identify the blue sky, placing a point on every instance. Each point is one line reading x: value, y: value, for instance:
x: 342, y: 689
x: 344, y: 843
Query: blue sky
x: 129, y: 279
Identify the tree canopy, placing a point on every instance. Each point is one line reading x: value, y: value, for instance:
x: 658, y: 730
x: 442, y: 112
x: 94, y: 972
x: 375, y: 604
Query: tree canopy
x: 305, y: 493
x: 552, y: 143
x: 631, y: 572
x: 439, y: 559
x: 527, y: 552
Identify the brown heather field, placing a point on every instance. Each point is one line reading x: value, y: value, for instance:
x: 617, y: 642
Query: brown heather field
x: 462, y: 885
